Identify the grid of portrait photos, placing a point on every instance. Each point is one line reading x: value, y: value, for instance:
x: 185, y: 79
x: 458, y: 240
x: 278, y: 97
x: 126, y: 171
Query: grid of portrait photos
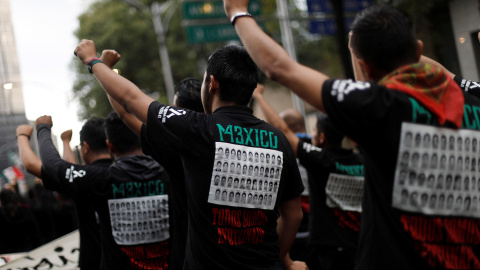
x: 245, y: 176
x: 139, y: 220
x: 438, y: 171
x: 345, y: 192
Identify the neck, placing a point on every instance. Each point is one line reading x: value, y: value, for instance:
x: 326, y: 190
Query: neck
x: 100, y: 156
x: 137, y: 151
x: 217, y: 103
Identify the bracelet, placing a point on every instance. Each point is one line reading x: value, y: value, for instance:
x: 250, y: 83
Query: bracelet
x: 238, y: 15
x: 23, y: 134
x: 90, y: 60
x: 91, y: 63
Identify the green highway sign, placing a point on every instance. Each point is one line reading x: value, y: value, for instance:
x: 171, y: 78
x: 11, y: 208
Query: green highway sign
x: 212, y: 33
x: 194, y: 10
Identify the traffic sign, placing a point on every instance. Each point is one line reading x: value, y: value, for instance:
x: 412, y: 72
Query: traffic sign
x: 328, y: 27
x: 194, y: 10
x: 212, y: 33
x: 325, y: 6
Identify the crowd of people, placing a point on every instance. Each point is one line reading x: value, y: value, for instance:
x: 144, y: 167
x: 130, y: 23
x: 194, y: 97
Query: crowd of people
x: 204, y: 184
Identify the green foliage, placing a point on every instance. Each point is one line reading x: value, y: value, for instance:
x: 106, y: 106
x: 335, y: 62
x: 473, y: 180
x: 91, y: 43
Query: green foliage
x: 113, y: 24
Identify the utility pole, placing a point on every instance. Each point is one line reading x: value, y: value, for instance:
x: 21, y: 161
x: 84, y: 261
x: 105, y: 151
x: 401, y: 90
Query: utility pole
x: 287, y: 40
x: 160, y: 31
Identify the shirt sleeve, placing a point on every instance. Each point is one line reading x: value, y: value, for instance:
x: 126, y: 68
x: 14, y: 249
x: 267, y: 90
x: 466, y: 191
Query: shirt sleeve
x: 310, y: 156
x: 363, y: 106
x: 171, y: 127
x: 473, y: 88
x: 66, y: 177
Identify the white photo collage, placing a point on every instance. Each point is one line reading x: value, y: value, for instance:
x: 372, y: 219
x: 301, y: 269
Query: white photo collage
x: 139, y: 220
x: 345, y: 192
x: 245, y: 176
x: 438, y: 171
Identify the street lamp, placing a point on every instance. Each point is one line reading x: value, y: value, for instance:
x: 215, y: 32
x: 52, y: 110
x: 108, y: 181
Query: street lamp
x: 160, y: 30
x: 8, y: 86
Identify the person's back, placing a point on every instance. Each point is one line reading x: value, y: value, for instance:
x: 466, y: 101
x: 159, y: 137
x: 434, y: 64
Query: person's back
x: 130, y: 198
x: 229, y: 233
x: 336, y: 192
x: 93, y: 150
x: 404, y: 217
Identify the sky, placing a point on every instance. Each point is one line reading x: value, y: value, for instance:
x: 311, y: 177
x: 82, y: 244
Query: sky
x: 44, y: 35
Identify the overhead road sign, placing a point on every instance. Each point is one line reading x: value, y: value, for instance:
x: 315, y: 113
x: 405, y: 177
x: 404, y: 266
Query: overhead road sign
x: 195, y: 10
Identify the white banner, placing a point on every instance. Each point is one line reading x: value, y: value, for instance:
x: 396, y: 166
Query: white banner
x: 61, y: 253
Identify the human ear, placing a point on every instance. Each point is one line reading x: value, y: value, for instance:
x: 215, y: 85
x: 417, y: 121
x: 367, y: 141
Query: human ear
x: 419, y: 49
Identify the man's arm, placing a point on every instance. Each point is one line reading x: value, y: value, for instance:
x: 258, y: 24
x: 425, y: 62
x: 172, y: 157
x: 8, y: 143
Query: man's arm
x: 110, y: 58
x: 273, y: 60
x: 30, y: 161
x: 127, y: 94
x: 68, y: 155
x: 274, y: 119
x: 131, y: 121
x: 290, y: 217
x: 48, y: 153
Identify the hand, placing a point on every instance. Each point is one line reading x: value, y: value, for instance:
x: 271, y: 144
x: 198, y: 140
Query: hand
x: 296, y: 265
x: 25, y: 129
x: 46, y: 119
x: 234, y: 6
x: 110, y: 57
x: 85, y: 50
x: 66, y: 136
x: 258, y: 93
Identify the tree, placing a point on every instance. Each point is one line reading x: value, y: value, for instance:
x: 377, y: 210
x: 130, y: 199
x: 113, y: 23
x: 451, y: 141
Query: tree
x: 113, y: 24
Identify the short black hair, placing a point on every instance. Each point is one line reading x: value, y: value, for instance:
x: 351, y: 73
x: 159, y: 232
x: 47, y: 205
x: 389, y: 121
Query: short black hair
x: 384, y: 37
x: 235, y: 72
x: 93, y: 134
x: 332, y: 135
x: 122, y: 137
x: 188, y: 94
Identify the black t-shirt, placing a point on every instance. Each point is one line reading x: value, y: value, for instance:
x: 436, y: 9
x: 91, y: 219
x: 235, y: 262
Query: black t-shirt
x: 408, y: 219
x: 130, y: 198
x: 172, y: 163
x: 90, y: 243
x: 226, y: 155
x: 336, y: 189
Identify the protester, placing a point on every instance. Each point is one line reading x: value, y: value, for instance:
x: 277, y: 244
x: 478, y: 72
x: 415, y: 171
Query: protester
x: 221, y: 234
x: 187, y: 96
x: 336, y: 188
x: 131, y: 192
x: 402, y: 97
x: 94, y: 151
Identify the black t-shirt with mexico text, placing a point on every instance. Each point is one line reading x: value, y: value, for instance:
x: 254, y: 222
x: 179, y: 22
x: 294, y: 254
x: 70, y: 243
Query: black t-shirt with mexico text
x: 336, y: 189
x: 238, y: 171
x: 131, y: 199
x: 421, y: 199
